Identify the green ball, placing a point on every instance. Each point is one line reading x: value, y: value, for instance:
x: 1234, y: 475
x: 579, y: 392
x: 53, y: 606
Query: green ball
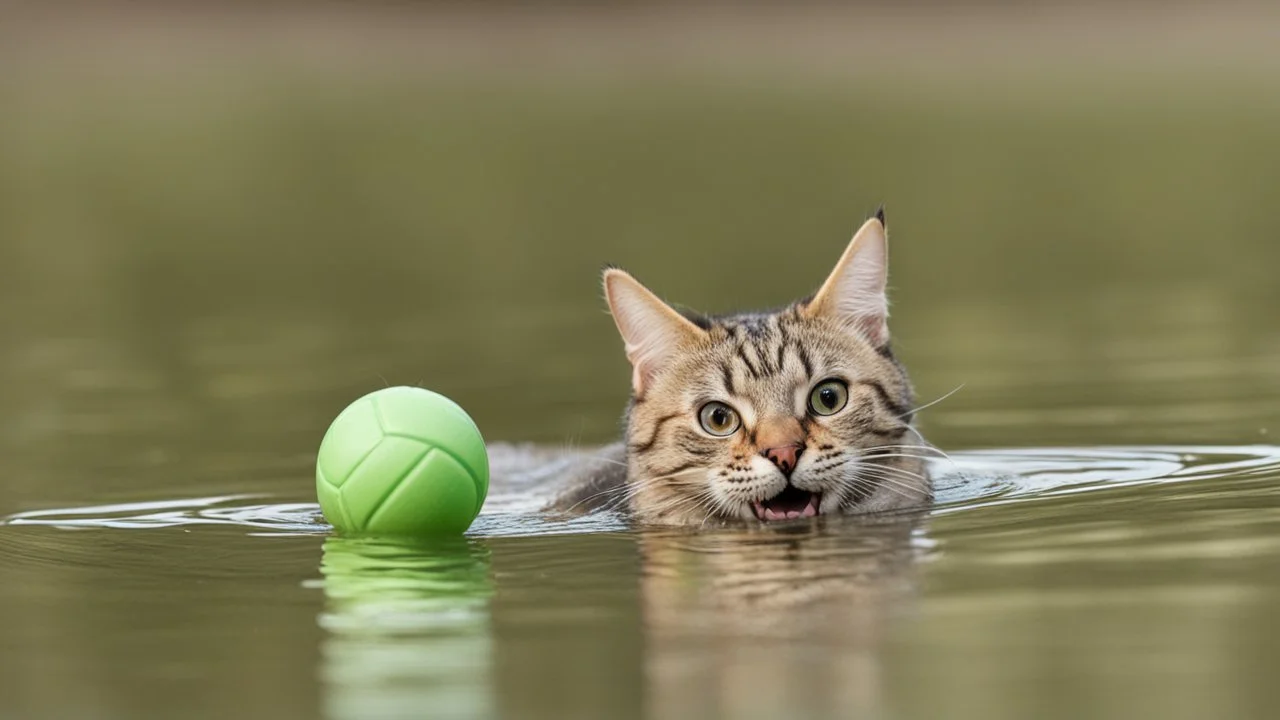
x: 402, y: 461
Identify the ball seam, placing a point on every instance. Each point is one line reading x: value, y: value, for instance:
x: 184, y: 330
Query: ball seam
x: 434, y: 446
x: 392, y: 487
x: 345, y: 516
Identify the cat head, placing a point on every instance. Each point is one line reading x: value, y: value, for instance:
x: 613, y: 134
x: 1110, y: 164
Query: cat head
x: 770, y: 416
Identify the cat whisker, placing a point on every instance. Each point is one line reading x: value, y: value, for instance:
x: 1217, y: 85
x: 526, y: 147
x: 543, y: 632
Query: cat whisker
x: 631, y: 491
x: 676, y: 502
x: 887, y: 456
x: 897, y: 472
x: 940, y: 451
x: 890, y: 474
x: 872, y: 465
x: 925, y: 448
x: 887, y: 470
x: 897, y: 490
x: 593, y: 496
x: 714, y: 505
x: 875, y: 461
x: 859, y: 481
x: 682, y: 499
x: 866, y: 462
x: 931, y: 403
x: 628, y: 490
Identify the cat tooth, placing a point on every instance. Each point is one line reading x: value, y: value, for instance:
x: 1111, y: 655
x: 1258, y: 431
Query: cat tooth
x: 793, y: 514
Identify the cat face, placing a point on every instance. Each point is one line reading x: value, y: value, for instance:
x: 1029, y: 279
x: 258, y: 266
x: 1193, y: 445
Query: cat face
x: 767, y: 417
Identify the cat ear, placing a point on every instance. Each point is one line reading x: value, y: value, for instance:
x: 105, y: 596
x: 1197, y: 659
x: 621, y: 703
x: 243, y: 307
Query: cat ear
x: 854, y: 293
x: 652, y: 331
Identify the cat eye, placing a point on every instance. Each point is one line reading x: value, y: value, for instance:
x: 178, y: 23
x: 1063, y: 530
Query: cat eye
x: 829, y: 397
x: 719, y: 419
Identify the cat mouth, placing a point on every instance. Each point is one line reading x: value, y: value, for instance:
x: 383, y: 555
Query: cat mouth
x: 791, y: 503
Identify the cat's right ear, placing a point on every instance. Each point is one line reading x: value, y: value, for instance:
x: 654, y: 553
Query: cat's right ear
x: 652, y: 331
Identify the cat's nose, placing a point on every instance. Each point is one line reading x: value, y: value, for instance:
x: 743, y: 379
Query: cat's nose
x: 784, y: 456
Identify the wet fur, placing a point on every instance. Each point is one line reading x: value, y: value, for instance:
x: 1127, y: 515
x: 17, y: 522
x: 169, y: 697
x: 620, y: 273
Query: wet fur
x: 867, y: 457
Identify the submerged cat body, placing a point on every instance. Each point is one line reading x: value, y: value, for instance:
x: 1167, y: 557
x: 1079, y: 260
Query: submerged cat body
x: 762, y: 417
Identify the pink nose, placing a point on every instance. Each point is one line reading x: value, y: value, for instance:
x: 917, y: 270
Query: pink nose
x: 784, y: 457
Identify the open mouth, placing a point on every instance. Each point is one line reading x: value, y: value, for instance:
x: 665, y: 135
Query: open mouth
x: 790, y: 503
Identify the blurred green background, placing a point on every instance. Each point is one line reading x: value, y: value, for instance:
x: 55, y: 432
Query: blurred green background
x: 218, y: 227
x: 220, y: 224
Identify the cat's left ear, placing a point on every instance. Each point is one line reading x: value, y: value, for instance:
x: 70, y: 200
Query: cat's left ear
x: 854, y: 293
x: 652, y: 330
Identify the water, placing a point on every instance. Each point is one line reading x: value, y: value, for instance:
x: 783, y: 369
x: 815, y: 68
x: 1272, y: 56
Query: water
x: 1103, y: 581
x: 1088, y: 257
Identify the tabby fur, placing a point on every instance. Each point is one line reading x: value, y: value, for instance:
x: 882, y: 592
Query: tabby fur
x: 784, y: 460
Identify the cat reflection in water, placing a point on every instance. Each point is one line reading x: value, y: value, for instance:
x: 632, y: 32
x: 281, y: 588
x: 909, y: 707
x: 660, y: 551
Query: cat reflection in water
x: 790, y: 621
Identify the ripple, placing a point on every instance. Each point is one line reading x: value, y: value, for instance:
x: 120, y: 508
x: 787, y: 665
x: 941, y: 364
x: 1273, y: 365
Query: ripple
x: 980, y: 478
x: 966, y: 480
x: 287, y: 518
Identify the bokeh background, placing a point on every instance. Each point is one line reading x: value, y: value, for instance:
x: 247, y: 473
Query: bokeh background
x: 220, y: 222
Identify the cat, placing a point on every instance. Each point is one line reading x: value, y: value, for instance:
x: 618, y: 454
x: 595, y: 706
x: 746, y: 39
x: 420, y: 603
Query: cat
x: 762, y: 417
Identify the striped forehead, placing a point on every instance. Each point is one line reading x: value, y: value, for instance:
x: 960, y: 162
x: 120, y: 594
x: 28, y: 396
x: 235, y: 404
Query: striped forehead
x: 761, y: 354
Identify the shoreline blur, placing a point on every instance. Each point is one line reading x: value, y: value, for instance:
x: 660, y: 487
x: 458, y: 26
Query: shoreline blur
x: 855, y: 39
